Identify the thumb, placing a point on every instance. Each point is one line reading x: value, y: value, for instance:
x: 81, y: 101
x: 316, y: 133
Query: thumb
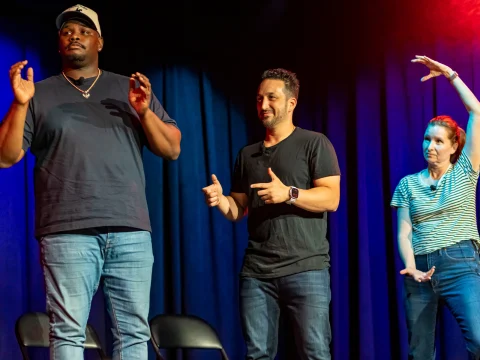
x: 132, y: 84
x: 215, y: 180
x: 272, y: 175
x: 30, y: 74
x: 404, y: 271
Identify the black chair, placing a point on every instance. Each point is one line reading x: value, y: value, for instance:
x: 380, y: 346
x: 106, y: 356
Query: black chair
x: 183, y: 332
x: 32, y: 329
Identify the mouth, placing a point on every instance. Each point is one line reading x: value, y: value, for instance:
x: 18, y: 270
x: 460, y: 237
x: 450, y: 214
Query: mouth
x: 75, y: 46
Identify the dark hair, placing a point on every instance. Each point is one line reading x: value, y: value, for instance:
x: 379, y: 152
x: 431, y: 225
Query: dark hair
x: 456, y: 133
x: 292, y: 85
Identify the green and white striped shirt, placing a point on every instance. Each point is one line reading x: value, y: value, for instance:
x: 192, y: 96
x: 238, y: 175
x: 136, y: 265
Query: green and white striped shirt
x: 444, y: 216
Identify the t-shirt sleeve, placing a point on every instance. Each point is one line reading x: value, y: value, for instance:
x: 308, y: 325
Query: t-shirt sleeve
x: 466, y: 165
x: 400, y: 198
x: 323, y: 159
x: 29, y: 129
x: 237, y: 177
x: 158, y: 109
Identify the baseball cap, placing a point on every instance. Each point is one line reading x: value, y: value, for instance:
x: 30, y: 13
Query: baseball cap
x: 81, y: 13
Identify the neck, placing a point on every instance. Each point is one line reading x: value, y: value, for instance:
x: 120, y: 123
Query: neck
x: 436, y: 171
x: 279, y: 132
x: 87, y: 71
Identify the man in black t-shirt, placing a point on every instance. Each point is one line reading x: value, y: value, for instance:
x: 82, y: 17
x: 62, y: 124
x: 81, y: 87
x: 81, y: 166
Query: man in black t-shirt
x: 287, y: 184
x: 87, y: 129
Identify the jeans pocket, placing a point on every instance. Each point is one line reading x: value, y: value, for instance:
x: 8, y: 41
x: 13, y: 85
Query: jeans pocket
x: 461, y: 253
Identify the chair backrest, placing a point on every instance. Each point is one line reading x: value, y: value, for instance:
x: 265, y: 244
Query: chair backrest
x: 32, y: 330
x: 183, y: 332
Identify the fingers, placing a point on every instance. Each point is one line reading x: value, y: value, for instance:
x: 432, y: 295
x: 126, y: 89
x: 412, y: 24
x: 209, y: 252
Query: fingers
x: 142, y: 79
x: 272, y: 175
x: 259, y: 186
x: 430, y: 272
x: 30, y: 74
x: 132, y: 83
x: 16, y: 68
x: 425, y: 78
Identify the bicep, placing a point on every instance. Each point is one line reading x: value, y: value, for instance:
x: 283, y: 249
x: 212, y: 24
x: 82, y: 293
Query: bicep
x: 331, y: 182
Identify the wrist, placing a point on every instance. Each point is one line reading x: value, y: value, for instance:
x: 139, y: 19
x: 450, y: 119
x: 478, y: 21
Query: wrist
x: 143, y: 114
x: 448, y: 72
x: 20, y: 106
x: 292, y: 194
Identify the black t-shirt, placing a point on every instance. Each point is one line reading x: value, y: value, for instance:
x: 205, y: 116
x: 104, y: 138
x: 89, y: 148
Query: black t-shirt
x: 285, y: 239
x: 89, y: 169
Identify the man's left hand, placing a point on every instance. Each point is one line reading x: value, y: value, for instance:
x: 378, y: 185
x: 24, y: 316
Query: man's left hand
x: 141, y: 96
x: 274, y: 192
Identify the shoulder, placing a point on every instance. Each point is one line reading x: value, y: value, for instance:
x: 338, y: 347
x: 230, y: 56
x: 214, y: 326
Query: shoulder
x: 311, y: 137
x: 49, y: 82
x: 409, y: 181
x: 113, y: 77
x: 250, y: 149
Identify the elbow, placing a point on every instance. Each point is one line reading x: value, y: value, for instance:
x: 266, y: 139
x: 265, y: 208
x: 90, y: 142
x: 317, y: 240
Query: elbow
x: 333, y: 206
x: 5, y: 164
x: 174, y: 153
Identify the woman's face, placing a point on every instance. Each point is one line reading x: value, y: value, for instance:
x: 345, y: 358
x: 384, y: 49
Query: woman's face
x: 437, y: 146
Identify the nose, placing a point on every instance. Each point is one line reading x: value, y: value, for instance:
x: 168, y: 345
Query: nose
x: 265, y: 105
x: 74, y: 37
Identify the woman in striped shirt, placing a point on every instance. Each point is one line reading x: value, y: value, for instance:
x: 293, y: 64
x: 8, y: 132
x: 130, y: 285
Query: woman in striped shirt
x: 437, y: 228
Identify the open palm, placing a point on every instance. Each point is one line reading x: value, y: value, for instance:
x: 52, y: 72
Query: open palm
x: 23, y: 89
x: 436, y: 68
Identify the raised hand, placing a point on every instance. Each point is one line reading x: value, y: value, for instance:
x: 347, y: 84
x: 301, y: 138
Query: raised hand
x: 436, y: 68
x: 23, y: 89
x: 274, y: 192
x: 141, y: 96
x: 213, y: 193
x: 418, y: 275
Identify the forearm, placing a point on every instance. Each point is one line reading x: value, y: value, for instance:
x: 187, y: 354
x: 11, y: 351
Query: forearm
x: 406, y: 252
x: 11, y: 134
x: 164, y: 139
x: 230, y: 208
x: 318, y: 199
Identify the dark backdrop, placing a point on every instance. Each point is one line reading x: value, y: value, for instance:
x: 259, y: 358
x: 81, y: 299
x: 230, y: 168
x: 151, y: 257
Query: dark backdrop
x: 204, y: 59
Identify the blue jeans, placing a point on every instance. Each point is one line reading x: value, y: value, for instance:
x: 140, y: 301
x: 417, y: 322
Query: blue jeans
x: 74, y: 264
x: 306, y: 299
x: 456, y: 283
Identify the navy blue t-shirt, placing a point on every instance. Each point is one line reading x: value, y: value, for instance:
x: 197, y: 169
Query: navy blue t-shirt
x: 89, y: 169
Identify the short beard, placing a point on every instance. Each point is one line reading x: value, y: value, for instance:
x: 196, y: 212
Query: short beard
x: 270, y: 124
x: 76, y: 59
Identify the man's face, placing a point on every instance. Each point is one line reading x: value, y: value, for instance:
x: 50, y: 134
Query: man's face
x: 78, y: 43
x: 272, y: 103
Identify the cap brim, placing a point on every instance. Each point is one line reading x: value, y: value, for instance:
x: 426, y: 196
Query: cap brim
x: 75, y: 15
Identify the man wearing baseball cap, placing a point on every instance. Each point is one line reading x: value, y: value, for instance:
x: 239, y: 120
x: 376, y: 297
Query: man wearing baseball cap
x: 87, y: 128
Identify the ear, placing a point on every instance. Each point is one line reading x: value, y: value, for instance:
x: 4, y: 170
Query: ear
x: 454, y: 147
x: 292, y: 103
x: 100, y: 44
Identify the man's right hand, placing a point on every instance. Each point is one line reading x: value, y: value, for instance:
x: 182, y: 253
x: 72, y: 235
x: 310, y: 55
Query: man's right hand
x: 213, y: 193
x: 23, y: 89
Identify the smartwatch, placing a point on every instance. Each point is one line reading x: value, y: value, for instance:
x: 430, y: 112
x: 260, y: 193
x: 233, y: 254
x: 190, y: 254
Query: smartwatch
x: 293, y: 195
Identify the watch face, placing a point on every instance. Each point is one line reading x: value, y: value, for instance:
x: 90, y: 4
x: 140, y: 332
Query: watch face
x: 294, y: 192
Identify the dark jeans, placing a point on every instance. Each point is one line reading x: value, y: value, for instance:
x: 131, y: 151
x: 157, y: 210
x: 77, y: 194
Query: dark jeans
x: 456, y: 282
x: 304, y: 296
